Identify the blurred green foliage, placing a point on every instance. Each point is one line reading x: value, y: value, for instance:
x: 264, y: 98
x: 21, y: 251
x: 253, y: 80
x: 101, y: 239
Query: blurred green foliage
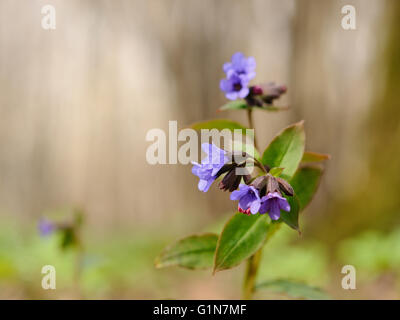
x: 372, y: 253
x: 121, y: 265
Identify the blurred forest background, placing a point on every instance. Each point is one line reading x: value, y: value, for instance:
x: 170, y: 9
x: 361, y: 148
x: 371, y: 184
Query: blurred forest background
x: 76, y: 104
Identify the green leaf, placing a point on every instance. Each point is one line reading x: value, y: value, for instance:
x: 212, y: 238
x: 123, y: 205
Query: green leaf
x: 193, y: 252
x: 272, y: 108
x: 68, y: 238
x: 309, y: 156
x: 286, y: 150
x: 305, y: 183
x: 276, y: 172
x: 293, y: 289
x: 220, y: 124
x: 291, y: 218
x: 241, y: 237
x: 234, y: 105
x: 246, y: 147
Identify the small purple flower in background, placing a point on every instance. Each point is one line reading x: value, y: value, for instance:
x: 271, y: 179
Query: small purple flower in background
x: 235, y: 87
x: 241, y: 65
x: 46, y: 227
x: 249, y: 199
x: 238, y: 74
x: 273, y: 203
x: 209, y: 167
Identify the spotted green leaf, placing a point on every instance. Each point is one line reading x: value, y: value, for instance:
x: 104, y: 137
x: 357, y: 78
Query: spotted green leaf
x: 221, y: 124
x: 291, y: 218
x: 293, y: 289
x: 249, y: 148
x: 276, y: 172
x: 241, y: 237
x: 234, y: 105
x: 193, y: 252
x: 305, y: 183
x: 286, y: 150
x: 309, y: 156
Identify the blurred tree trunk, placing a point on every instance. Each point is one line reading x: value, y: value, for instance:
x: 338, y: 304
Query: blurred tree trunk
x: 375, y: 202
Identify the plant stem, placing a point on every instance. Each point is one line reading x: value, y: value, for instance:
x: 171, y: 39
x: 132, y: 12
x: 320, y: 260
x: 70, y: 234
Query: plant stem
x: 79, y: 255
x: 251, y: 274
x: 254, y: 261
x: 251, y: 125
x: 253, y: 264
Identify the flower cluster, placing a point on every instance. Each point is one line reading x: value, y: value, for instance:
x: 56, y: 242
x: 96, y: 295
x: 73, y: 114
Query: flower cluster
x: 262, y: 194
x: 210, y: 166
x: 238, y: 72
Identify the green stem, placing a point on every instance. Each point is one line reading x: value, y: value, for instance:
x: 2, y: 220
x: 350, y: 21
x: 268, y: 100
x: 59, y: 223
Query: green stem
x: 79, y: 255
x: 251, y: 125
x: 253, y: 264
x: 254, y: 261
x: 251, y: 274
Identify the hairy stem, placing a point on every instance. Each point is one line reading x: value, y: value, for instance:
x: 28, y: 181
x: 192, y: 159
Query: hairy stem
x: 251, y: 274
x: 251, y: 125
x: 253, y: 264
x: 254, y: 261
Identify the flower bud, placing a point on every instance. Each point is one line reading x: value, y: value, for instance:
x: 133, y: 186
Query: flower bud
x: 256, y: 90
x: 231, y: 180
x: 225, y: 168
x: 285, y: 187
x: 259, y: 182
x: 272, y: 91
x: 272, y: 184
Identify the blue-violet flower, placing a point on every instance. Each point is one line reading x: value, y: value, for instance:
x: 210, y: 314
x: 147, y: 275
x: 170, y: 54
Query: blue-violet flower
x: 240, y: 65
x: 249, y: 199
x: 208, y: 168
x: 273, y: 203
x: 238, y: 74
x: 46, y: 227
x: 235, y: 87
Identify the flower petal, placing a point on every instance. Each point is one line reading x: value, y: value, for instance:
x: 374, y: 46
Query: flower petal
x: 274, y: 212
x: 255, y: 206
x: 232, y: 95
x: 244, y: 92
x: 284, y: 204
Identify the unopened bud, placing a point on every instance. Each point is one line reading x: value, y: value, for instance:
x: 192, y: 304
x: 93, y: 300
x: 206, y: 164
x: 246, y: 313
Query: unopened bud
x: 231, y: 181
x: 285, y: 187
x: 256, y: 90
x: 272, y: 91
x: 259, y: 182
x: 272, y: 184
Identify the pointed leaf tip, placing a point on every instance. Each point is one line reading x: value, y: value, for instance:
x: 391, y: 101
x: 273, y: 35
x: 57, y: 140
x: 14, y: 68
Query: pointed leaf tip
x: 241, y: 237
x: 286, y: 149
x: 193, y: 252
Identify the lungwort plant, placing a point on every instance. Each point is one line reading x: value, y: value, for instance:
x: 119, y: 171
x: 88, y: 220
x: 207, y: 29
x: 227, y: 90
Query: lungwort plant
x: 281, y: 186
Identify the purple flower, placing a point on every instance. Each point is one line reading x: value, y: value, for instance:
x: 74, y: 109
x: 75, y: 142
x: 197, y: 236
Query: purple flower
x: 241, y: 65
x: 210, y: 165
x: 46, y: 227
x: 236, y: 86
x: 273, y: 203
x: 238, y: 74
x: 249, y: 199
